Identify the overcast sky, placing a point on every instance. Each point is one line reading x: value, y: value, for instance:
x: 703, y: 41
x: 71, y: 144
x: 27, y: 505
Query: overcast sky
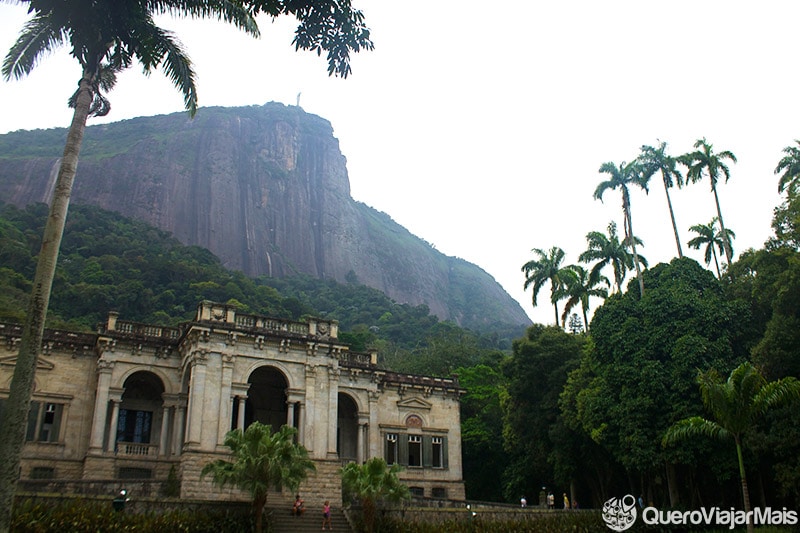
x: 481, y: 127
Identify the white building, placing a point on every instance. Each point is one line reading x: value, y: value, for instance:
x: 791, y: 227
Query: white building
x: 132, y: 401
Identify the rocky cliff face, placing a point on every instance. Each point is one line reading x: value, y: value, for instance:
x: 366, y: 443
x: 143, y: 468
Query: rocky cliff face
x: 266, y: 190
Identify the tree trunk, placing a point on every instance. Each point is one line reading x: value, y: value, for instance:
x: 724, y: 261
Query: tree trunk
x: 725, y: 243
x: 258, y: 503
x: 672, y: 216
x: 745, y: 491
x: 12, y: 432
x: 672, y: 486
x: 716, y: 262
x: 626, y: 205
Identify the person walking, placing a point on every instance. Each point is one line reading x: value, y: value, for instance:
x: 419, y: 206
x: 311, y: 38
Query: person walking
x: 326, y: 515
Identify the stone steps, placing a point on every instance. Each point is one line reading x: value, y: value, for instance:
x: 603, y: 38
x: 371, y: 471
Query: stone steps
x: 282, y: 521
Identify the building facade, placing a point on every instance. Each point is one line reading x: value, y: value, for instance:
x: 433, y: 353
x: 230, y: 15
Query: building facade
x: 134, y: 401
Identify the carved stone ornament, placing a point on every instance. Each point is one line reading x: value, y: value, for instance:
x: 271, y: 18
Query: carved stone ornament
x: 413, y: 421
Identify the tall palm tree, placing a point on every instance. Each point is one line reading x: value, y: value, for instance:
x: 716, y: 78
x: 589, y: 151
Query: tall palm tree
x: 546, y: 267
x: 790, y: 166
x: 609, y: 250
x: 579, y: 286
x: 371, y: 482
x: 707, y: 234
x: 656, y: 160
x: 261, y: 460
x: 621, y: 177
x: 105, y: 39
x: 704, y: 161
x: 736, y: 406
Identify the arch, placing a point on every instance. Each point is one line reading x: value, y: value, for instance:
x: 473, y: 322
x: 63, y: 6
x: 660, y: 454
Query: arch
x: 140, y: 410
x: 347, y: 427
x: 266, y: 398
x: 166, y: 382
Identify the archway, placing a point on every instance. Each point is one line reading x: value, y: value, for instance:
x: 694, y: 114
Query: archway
x: 140, y: 412
x: 266, y: 398
x: 347, y: 428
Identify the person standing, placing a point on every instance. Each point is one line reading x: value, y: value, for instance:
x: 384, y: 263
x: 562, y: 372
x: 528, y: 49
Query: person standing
x: 566, y: 501
x: 326, y: 515
x: 523, y: 502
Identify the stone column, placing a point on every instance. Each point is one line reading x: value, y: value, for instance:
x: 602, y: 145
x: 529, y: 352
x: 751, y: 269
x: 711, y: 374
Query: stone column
x: 197, y: 394
x: 374, y: 444
x: 239, y: 393
x: 290, y: 413
x: 333, y: 409
x: 362, y: 428
x: 162, y: 445
x: 312, y: 416
x: 301, y: 430
x: 177, y: 428
x: 115, y: 395
x: 225, y: 400
x: 104, y: 369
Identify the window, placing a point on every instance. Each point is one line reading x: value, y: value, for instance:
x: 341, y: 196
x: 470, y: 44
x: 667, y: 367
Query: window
x: 391, y: 448
x: 436, y: 452
x: 134, y: 426
x: 43, y: 472
x: 44, y: 422
x: 414, y: 450
x: 130, y: 472
x: 439, y: 493
x: 417, y: 492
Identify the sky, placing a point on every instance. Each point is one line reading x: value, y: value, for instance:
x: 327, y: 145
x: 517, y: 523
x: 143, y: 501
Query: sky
x: 481, y: 127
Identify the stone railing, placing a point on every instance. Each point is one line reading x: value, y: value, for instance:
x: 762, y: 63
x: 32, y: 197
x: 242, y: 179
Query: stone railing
x: 271, y: 324
x: 136, y: 449
x: 146, y: 330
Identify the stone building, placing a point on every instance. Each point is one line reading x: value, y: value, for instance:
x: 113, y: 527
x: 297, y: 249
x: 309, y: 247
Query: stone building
x: 132, y: 401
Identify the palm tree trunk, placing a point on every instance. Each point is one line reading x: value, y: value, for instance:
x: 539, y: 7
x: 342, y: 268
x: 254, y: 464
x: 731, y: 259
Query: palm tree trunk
x: 259, y: 502
x: 626, y: 205
x: 12, y: 433
x: 725, y: 243
x: 745, y: 491
x: 672, y: 216
x: 716, y: 262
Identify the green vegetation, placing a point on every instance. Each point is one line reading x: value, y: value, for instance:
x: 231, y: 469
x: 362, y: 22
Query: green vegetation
x: 262, y: 460
x: 372, y: 483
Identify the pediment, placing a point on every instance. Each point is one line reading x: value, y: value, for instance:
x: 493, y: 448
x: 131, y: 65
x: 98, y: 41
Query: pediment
x: 414, y: 403
x: 41, y: 364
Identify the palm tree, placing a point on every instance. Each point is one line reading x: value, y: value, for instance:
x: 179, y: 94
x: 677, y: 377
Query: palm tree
x: 656, y: 160
x: 621, y: 177
x: 546, y: 268
x: 371, y: 482
x: 707, y: 234
x: 704, y: 161
x: 790, y: 166
x: 105, y: 40
x: 261, y: 460
x: 608, y: 250
x: 736, y: 406
x: 579, y: 287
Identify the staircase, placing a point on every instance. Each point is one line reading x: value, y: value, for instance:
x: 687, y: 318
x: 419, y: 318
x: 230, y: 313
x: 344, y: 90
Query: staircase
x: 282, y: 521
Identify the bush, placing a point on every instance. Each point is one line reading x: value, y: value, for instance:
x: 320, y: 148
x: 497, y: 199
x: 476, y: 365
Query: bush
x: 83, y: 516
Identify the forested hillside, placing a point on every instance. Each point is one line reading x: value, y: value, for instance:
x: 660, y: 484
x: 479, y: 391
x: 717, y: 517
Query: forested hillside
x: 109, y: 263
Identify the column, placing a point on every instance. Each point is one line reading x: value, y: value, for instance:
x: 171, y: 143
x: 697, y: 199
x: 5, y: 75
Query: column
x: 362, y: 426
x: 290, y: 413
x: 225, y: 401
x: 104, y: 369
x: 197, y: 393
x: 375, y: 448
x: 301, y: 423
x: 116, y: 400
x: 177, y: 428
x: 311, y: 416
x: 333, y: 409
x: 240, y: 421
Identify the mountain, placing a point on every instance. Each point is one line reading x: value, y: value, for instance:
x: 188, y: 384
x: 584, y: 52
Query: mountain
x: 265, y: 188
